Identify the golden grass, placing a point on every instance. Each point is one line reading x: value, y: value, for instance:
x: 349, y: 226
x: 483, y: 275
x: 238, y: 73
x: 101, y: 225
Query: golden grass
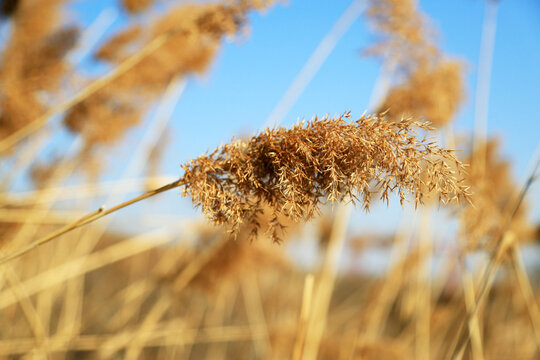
x: 193, y: 291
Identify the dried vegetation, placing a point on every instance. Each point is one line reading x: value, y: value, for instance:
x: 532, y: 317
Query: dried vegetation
x: 324, y: 160
x: 193, y: 291
x: 426, y: 83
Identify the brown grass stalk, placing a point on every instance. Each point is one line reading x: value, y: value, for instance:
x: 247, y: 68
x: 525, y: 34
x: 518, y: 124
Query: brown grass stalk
x: 84, y: 220
x: 487, y: 47
x: 87, y: 190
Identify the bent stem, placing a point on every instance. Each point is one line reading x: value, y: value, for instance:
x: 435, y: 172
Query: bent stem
x: 89, y: 218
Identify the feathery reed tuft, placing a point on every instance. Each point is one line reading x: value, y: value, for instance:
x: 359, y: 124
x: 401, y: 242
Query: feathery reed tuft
x: 294, y: 171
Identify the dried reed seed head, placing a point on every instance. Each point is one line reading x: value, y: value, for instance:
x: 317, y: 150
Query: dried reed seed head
x: 41, y: 173
x: 32, y: 62
x: 44, y: 67
x: 294, y: 171
x: 404, y: 33
x: 193, y: 31
x: 136, y: 6
x: 17, y: 108
x: 120, y: 46
x: 428, y: 86
x: 103, y: 117
x: 434, y: 94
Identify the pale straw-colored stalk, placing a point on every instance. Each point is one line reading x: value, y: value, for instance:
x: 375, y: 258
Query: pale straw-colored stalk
x: 502, y: 243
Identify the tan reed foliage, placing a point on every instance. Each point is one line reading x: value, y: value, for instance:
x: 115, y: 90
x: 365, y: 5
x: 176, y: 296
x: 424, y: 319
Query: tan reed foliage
x: 433, y: 93
x: 294, y: 171
x: 136, y: 6
x: 119, y: 295
x: 492, y: 194
x: 228, y: 265
x: 32, y: 62
x: 194, y: 33
x: 428, y: 85
x: 403, y: 31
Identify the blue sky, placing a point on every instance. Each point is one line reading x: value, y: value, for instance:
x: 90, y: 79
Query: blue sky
x: 250, y: 75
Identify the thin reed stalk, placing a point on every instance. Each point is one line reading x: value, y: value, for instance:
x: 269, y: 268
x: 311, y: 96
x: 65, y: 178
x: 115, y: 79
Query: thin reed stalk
x: 474, y: 324
x: 502, y: 245
x: 87, y: 219
x: 526, y: 291
x: 487, y: 46
x: 305, y: 314
x: 423, y: 286
x: 325, y: 286
x: 87, y: 263
x: 314, y: 63
x: 255, y: 313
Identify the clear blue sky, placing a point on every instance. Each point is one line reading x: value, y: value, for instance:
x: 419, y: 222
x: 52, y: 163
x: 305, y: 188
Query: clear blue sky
x: 249, y: 76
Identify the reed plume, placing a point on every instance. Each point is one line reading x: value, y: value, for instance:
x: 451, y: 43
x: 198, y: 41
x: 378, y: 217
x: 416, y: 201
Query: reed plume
x: 33, y: 63
x: 294, y: 171
x: 433, y: 93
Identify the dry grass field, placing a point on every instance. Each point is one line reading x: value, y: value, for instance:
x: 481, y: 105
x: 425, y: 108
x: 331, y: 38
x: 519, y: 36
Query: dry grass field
x: 227, y: 285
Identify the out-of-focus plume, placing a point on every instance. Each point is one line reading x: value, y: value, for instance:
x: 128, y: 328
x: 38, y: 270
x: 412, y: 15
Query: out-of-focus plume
x: 403, y: 33
x: 192, y: 36
x: 431, y: 93
x: 32, y: 64
x: 229, y: 263
x: 136, y: 6
x: 492, y: 194
x: 426, y: 84
x: 294, y: 171
x: 194, y: 33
